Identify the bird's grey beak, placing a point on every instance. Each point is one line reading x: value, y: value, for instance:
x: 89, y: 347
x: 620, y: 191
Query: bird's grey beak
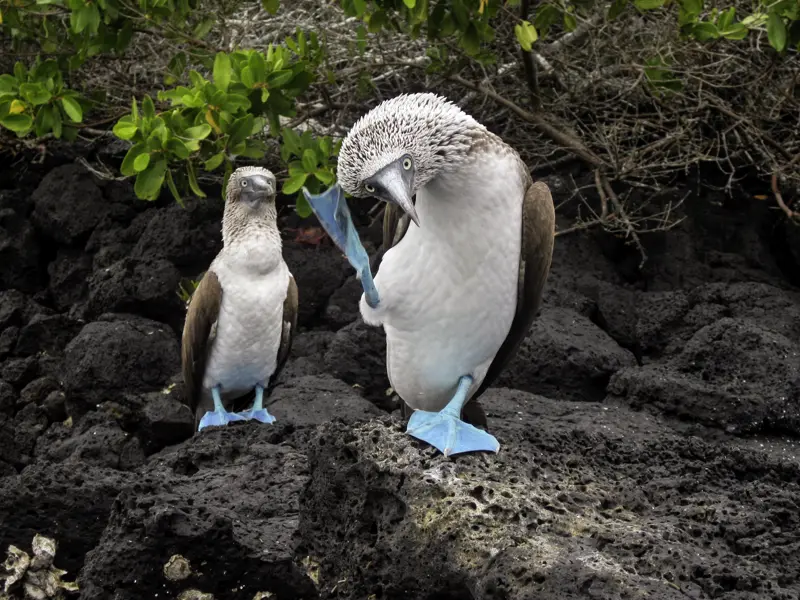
x: 398, y: 185
x: 258, y: 189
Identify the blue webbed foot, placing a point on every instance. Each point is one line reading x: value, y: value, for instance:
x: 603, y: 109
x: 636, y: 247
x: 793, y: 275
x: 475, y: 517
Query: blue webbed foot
x: 446, y: 431
x: 450, y: 434
x: 257, y: 415
x: 218, y: 417
x: 333, y: 214
x: 257, y: 412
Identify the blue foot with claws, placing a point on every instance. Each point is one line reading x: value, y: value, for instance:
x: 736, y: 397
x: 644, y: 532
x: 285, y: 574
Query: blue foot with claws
x: 219, y: 416
x: 334, y: 216
x: 446, y: 431
x: 258, y: 412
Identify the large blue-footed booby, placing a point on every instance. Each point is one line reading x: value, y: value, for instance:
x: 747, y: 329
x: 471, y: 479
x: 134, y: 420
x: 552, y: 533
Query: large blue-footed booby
x: 242, y: 317
x: 457, y: 291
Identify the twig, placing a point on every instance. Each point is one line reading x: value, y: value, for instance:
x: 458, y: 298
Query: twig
x: 779, y: 198
x: 623, y: 216
x: 603, y: 198
x: 566, y: 140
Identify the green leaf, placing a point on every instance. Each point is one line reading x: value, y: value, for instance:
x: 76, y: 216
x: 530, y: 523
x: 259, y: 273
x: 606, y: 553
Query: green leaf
x: 294, y: 183
x: 8, y: 84
x: 193, y: 180
x: 215, y: 161
x: 278, y: 79
x: 240, y: 130
x: 302, y: 207
x: 246, y: 76
x: 326, y: 177
x: 127, y: 163
x: 616, y: 9
x: 705, y: 31
x: 148, y: 182
x: 526, y: 35
x: 173, y: 190
x: 776, y: 31
x: 141, y: 162
x: 648, y: 4
x: 57, y: 124
x: 72, y: 108
x: 271, y: 6
x: 148, y: 108
x: 692, y: 7
x: 17, y: 123
x: 471, y: 41
x: 198, y: 132
x: 203, y: 27
x: 725, y: 19
x: 34, y: 93
x: 410, y: 3
x: 178, y: 148
x: 44, y: 120
x: 125, y: 129
x: 258, y: 66
x: 20, y: 72
x: 253, y: 152
x: 360, y: 6
x: 569, y: 22
x: 309, y: 160
x: 292, y: 141
x: 222, y: 71
x: 236, y: 102
x: 737, y: 31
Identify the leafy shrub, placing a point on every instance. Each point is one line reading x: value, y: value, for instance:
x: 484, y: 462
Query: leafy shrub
x: 232, y: 103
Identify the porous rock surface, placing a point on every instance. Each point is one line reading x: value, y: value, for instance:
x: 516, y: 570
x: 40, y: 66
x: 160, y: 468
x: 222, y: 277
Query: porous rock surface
x: 648, y: 424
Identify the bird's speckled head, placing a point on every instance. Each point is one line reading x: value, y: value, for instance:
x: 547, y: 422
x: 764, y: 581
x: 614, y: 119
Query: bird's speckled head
x: 402, y: 144
x: 249, y: 201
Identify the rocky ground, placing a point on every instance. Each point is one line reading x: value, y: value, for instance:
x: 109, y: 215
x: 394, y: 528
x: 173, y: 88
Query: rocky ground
x: 649, y: 425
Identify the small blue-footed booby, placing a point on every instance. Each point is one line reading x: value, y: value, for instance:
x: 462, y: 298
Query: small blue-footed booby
x: 456, y: 292
x: 242, y: 317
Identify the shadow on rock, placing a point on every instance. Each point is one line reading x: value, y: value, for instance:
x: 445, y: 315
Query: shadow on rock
x: 582, y: 500
x: 228, y: 502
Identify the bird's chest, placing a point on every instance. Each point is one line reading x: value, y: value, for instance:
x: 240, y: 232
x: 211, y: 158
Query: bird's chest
x: 463, y: 261
x: 248, y: 330
x: 450, y: 286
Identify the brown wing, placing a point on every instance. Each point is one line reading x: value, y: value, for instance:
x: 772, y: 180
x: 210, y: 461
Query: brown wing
x: 289, y: 327
x: 395, y: 225
x: 198, y: 335
x: 538, y: 234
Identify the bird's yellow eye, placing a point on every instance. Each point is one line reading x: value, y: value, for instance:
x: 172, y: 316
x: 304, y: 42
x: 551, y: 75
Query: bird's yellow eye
x: 406, y: 163
x: 369, y: 188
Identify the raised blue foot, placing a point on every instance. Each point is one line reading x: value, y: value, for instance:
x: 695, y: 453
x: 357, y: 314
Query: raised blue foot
x: 219, y: 416
x: 334, y: 216
x: 258, y: 412
x: 446, y: 431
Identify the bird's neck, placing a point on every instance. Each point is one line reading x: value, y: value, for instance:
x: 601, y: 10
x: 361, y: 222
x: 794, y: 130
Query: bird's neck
x: 253, y: 246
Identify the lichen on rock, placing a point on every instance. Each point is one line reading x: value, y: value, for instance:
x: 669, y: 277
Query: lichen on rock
x: 34, y: 578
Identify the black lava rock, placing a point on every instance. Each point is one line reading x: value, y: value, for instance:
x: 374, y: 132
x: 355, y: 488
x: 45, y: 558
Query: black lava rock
x: 119, y: 354
x: 144, y: 287
x: 68, y: 204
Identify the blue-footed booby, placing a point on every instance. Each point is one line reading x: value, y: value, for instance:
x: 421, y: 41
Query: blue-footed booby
x: 242, y: 317
x: 457, y: 291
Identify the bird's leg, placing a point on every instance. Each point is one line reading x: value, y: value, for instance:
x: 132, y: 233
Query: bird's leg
x: 258, y: 412
x: 219, y: 416
x: 446, y: 431
x: 334, y: 216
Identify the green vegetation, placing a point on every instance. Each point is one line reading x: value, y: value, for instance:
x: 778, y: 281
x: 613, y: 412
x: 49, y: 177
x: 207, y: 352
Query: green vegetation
x: 219, y: 104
